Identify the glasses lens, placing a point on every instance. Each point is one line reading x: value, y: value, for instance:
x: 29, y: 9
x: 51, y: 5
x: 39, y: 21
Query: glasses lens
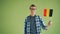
x: 33, y: 9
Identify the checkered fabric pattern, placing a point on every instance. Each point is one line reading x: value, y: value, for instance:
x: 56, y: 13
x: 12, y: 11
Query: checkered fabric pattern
x: 39, y: 24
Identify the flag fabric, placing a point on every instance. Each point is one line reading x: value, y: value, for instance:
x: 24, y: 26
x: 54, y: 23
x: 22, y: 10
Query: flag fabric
x: 45, y: 11
x: 48, y: 12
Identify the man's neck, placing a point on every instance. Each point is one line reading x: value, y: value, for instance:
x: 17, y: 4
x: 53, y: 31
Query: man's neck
x: 32, y: 15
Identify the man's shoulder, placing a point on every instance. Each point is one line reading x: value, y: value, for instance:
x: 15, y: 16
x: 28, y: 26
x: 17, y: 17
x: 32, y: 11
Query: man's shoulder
x: 39, y: 17
x: 27, y: 17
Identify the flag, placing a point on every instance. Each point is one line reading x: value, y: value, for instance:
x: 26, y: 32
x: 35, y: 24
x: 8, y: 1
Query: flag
x: 48, y: 12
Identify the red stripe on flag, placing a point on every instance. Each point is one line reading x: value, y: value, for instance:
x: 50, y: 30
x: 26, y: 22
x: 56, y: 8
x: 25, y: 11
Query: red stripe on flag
x: 45, y: 11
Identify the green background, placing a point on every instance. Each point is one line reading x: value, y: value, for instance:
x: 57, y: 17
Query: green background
x: 14, y: 12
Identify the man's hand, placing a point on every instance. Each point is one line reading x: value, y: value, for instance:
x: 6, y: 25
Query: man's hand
x: 49, y: 23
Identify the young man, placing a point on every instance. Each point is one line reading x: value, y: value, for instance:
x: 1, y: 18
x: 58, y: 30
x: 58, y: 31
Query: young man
x: 34, y: 23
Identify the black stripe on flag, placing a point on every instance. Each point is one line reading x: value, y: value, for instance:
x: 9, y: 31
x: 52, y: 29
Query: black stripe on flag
x: 51, y: 12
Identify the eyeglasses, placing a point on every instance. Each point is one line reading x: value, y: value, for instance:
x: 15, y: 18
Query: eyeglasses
x: 33, y: 9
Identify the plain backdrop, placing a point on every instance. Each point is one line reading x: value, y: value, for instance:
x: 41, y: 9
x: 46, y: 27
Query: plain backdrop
x: 14, y: 12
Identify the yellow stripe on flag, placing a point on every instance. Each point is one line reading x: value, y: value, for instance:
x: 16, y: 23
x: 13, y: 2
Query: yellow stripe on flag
x: 47, y: 12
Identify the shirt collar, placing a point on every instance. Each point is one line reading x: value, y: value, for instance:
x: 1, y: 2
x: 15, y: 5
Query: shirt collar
x: 33, y: 16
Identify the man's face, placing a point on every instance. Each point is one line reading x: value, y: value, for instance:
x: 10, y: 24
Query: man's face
x: 33, y: 10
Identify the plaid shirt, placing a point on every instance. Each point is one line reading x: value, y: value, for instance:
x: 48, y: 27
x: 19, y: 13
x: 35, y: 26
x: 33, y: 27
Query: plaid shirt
x: 39, y: 24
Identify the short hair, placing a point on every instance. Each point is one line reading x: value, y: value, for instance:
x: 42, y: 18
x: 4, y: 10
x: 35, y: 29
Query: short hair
x: 32, y: 6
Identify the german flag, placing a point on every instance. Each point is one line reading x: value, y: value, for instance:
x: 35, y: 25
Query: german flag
x: 48, y: 12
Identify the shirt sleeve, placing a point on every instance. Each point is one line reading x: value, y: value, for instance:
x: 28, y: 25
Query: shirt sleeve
x: 43, y: 24
x: 25, y: 26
